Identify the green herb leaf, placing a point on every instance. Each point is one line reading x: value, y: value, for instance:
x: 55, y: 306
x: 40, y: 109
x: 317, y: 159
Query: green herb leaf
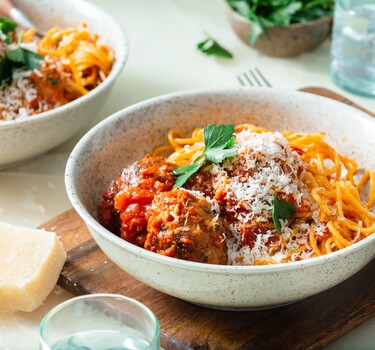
x: 218, y: 143
x: 210, y: 47
x: 217, y: 137
x: 217, y: 156
x: 281, y: 210
x: 242, y: 7
x: 284, y: 15
x: 257, y: 29
x: 230, y: 142
x: 6, y: 71
x: 53, y: 81
x: 17, y: 58
x: 185, y: 172
x: 7, y: 26
x: 30, y: 59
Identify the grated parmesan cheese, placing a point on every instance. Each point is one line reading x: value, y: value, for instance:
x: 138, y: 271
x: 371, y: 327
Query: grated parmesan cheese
x: 264, y: 166
x: 270, y: 166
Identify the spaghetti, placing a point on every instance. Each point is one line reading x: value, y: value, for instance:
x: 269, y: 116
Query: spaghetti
x: 73, y: 62
x: 331, y: 212
x: 83, y: 59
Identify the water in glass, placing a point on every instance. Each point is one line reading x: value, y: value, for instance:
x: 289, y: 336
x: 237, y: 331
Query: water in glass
x: 102, y: 340
x: 353, y: 46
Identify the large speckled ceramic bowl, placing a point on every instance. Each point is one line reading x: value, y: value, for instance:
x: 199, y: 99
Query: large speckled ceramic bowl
x: 129, y: 134
x: 28, y: 137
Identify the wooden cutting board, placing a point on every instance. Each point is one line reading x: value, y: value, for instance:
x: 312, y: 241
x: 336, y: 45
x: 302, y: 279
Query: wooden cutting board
x: 312, y: 323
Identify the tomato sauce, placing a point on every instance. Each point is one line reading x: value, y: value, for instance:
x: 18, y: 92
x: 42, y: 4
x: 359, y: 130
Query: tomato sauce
x: 126, y: 202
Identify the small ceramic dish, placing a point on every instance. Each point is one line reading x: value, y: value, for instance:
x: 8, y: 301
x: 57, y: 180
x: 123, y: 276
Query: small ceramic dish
x: 129, y: 134
x: 289, y: 41
x: 28, y: 137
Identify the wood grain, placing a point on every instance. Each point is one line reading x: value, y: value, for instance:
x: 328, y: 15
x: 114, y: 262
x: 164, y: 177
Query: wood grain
x: 310, y: 324
x: 335, y: 96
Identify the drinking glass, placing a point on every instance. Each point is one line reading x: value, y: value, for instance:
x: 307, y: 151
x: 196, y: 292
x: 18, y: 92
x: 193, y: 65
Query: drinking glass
x: 353, y: 46
x: 100, y: 322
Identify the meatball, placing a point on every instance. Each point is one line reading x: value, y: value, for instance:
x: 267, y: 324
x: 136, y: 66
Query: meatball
x: 183, y: 224
x: 212, y: 182
x: 125, y: 203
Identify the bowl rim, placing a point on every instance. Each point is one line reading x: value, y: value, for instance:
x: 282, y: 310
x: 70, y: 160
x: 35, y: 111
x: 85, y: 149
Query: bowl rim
x: 121, y: 55
x: 92, y: 223
x: 291, y: 26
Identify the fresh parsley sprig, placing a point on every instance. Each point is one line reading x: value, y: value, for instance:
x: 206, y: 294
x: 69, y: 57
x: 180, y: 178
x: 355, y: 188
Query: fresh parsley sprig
x: 219, y: 144
x: 7, y: 26
x: 281, y: 210
x: 17, y: 58
x: 210, y: 46
x: 29, y: 59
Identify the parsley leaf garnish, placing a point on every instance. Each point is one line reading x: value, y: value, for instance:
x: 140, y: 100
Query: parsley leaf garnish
x: 17, y: 58
x: 6, y: 71
x: 184, y: 172
x: 219, y: 144
x: 7, y: 26
x: 210, y: 46
x: 30, y: 59
x: 281, y: 210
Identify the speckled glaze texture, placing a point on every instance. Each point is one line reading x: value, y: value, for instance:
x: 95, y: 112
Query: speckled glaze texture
x: 29, y: 137
x: 131, y: 133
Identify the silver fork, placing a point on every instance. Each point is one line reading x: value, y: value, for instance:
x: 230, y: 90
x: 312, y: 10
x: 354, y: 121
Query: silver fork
x: 254, y: 77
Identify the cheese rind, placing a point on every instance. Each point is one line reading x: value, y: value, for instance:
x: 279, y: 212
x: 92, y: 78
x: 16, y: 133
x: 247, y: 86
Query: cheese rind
x: 30, y: 264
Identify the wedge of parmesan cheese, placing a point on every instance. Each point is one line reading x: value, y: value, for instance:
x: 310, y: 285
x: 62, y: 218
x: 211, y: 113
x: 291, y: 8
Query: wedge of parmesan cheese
x: 30, y: 263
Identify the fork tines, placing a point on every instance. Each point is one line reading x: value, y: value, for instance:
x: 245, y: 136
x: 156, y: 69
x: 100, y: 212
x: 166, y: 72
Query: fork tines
x: 253, y: 78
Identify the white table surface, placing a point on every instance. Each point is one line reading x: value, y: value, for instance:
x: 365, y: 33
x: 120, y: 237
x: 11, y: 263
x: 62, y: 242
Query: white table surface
x: 163, y: 58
